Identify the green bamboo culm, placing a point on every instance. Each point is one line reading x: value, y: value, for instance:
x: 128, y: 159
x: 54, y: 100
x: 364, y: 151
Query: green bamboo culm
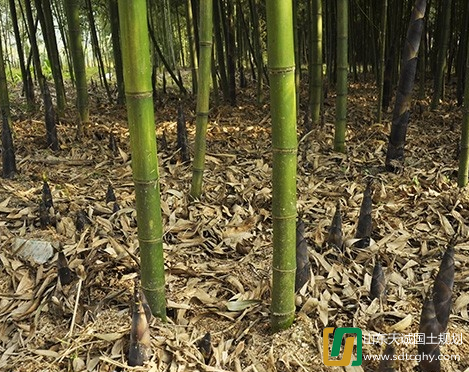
x: 463, y: 172
x: 203, y: 94
x: 72, y: 13
x: 281, y: 66
x: 316, y: 61
x: 139, y: 101
x: 342, y: 71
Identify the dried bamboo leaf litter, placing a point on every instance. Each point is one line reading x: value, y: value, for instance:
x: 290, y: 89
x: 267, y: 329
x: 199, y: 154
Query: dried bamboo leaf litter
x: 218, y: 250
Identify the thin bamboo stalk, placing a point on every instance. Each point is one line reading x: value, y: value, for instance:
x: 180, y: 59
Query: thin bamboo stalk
x: 203, y: 93
x: 463, y: 172
x: 342, y: 72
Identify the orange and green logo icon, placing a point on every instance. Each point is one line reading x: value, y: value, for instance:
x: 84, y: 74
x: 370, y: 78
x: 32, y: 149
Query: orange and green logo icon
x: 337, y: 343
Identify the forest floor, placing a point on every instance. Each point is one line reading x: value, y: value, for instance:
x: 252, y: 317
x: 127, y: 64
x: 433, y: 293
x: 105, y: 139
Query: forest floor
x: 218, y: 251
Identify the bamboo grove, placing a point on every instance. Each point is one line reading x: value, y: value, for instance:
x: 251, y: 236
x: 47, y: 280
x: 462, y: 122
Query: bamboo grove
x: 139, y: 50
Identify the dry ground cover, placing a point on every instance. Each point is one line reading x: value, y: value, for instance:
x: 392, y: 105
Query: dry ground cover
x: 218, y: 250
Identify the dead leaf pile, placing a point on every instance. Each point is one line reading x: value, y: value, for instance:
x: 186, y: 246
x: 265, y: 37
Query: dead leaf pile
x: 218, y: 250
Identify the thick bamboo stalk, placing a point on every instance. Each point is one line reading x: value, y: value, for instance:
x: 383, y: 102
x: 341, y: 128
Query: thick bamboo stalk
x: 139, y: 99
x: 281, y: 65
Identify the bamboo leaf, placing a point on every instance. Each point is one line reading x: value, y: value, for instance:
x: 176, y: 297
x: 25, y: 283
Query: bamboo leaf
x: 108, y: 337
x: 241, y: 305
x: 403, y: 324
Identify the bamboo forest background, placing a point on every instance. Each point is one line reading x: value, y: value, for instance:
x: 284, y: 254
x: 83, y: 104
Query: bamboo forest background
x: 240, y: 41
x: 192, y: 176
